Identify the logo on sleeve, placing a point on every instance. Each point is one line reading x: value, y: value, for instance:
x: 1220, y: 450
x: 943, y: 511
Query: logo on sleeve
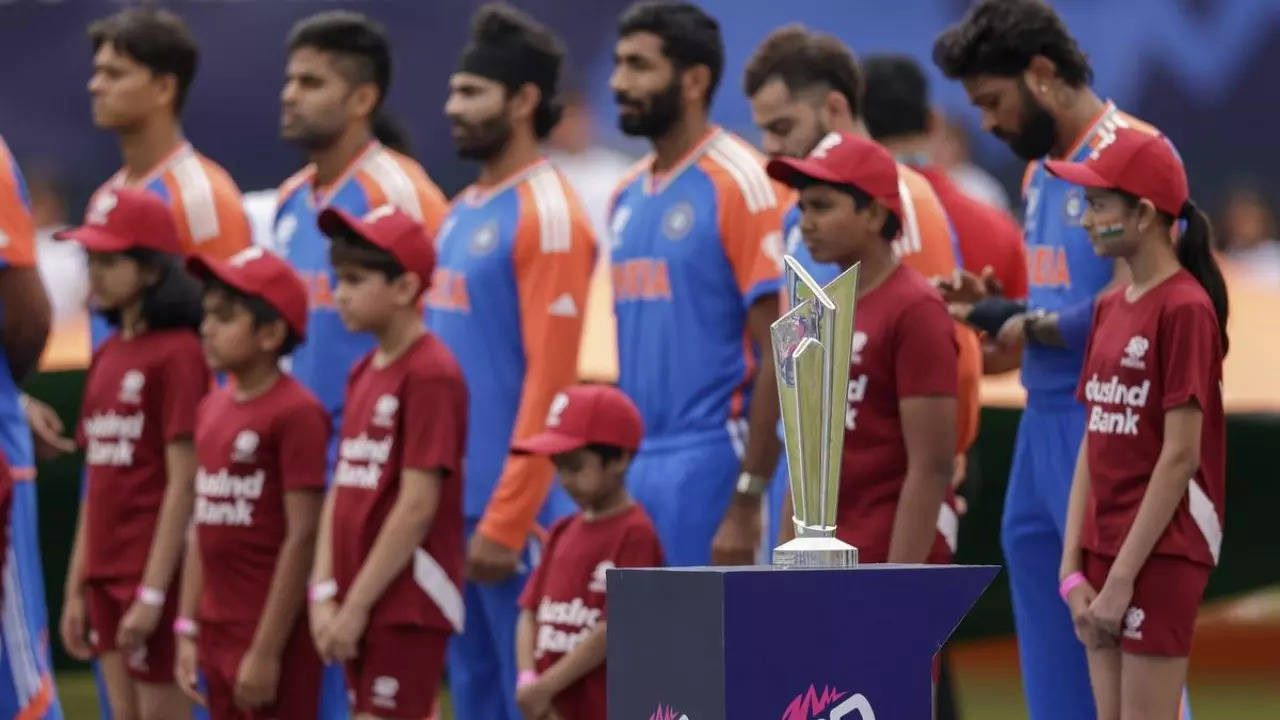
x: 1133, y: 618
x: 131, y: 387
x: 597, y: 584
x: 678, y: 221
x: 1134, y: 351
x: 244, y: 447
x: 384, y: 410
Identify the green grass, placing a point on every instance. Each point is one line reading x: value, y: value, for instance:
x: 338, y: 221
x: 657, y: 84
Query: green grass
x: 983, y: 696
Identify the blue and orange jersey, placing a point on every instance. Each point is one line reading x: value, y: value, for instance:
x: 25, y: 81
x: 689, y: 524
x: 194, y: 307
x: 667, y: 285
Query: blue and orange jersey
x: 693, y: 249
x: 376, y: 176
x: 1062, y: 268
x: 508, y: 298
x: 17, y: 250
x: 928, y: 244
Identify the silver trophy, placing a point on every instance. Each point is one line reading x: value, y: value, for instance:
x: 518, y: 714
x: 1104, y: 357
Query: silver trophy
x: 812, y: 348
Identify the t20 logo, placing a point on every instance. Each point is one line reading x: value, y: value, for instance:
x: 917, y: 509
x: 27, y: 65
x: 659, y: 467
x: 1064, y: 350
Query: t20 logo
x: 830, y: 704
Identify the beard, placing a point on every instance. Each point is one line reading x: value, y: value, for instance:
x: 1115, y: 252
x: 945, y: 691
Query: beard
x: 1037, y: 130
x: 483, y: 139
x: 654, y: 115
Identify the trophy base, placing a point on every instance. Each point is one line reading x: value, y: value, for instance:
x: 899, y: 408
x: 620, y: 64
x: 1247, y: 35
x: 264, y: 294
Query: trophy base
x: 815, y: 552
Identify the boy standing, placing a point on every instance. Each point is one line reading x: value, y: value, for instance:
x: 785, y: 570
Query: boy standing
x: 592, y: 434
x: 385, y: 593
x: 259, y: 489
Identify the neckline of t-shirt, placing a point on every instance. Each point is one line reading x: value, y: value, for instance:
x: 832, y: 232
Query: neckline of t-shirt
x: 409, y: 350
x: 1153, y: 290
x: 269, y: 391
x: 597, y: 522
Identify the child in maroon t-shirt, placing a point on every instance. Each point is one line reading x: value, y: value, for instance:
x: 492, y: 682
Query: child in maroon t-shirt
x: 1144, y: 523
x: 386, y: 587
x: 136, y: 425
x: 592, y: 433
x: 259, y: 490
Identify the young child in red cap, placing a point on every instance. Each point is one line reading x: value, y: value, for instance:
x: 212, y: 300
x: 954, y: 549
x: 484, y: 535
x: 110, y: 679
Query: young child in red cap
x: 1144, y: 523
x: 386, y: 586
x: 136, y: 424
x: 259, y: 488
x: 592, y: 433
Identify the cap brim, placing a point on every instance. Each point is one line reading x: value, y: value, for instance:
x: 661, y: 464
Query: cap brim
x: 94, y: 238
x: 791, y: 171
x: 208, y: 267
x: 548, y: 443
x: 1077, y: 174
x: 333, y: 220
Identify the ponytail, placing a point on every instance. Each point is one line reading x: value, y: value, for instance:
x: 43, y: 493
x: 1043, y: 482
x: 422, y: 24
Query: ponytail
x: 1195, y: 255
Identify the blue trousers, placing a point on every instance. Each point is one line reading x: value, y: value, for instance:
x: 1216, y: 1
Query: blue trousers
x: 25, y: 663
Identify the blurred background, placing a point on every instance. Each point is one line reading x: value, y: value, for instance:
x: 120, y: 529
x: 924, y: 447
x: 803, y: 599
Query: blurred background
x: 1201, y: 70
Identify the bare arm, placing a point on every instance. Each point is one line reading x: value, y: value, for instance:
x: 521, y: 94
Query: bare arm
x: 322, y: 564
x: 24, y: 326
x: 579, y: 661
x: 192, y: 579
x: 175, y: 514
x: 288, y: 591
x: 403, y: 531
x: 928, y: 429
x: 761, y: 454
x: 525, y: 637
x: 1075, y: 513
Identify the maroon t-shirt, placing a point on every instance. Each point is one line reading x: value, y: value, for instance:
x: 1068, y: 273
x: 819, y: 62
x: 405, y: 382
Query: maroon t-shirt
x: 411, y: 414
x: 566, y: 593
x: 140, y: 394
x: 249, y: 454
x: 1144, y: 357
x: 903, y: 346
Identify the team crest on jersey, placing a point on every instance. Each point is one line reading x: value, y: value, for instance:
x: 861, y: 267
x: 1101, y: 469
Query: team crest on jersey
x: 101, y: 209
x: 244, y: 446
x: 485, y: 239
x: 384, y: 410
x: 1073, y: 205
x: 678, y: 221
x: 285, y: 229
x: 597, y: 584
x: 131, y: 387
x: 859, y: 344
x: 1134, y: 351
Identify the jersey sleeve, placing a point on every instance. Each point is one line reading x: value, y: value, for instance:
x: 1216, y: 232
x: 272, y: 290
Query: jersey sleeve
x: 1190, y: 354
x: 184, y: 380
x: 928, y: 243
x: 751, y: 233
x: 532, y: 593
x: 433, y: 420
x: 554, y: 253
x: 17, y: 231
x: 207, y: 209
x: 924, y: 352
x: 1014, y: 277
x: 301, y: 433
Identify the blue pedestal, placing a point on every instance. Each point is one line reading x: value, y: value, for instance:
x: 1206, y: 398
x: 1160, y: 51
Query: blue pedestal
x: 759, y: 643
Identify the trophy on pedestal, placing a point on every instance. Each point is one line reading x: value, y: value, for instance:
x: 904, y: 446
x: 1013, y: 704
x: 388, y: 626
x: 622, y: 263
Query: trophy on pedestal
x: 812, y: 348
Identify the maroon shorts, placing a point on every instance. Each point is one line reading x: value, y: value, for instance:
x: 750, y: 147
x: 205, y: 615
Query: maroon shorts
x: 398, y: 671
x: 1162, y: 613
x: 222, y: 647
x: 107, y: 601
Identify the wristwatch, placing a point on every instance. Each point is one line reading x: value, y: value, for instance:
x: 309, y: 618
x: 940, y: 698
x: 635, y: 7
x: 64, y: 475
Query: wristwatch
x: 1028, y: 324
x: 752, y: 484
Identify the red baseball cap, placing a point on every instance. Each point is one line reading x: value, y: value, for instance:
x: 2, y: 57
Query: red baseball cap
x: 391, y: 229
x: 121, y: 219
x: 257, y: 272
x: 587, y: 415
x: 844, y: 159
x: 1137, y: 162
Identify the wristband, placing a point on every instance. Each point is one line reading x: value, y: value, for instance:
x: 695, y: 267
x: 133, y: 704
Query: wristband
x: 322, y: 591
x: 991, y: 313
x: 185, y: 627
x: 526, y: 677
x: 150, y: 596
x: 1069, y: 583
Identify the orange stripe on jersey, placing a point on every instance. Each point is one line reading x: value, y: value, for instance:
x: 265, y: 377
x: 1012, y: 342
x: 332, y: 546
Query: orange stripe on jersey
x: 206, y: 206
x: 1026, y: 175
x: 553, y: 256
x: 750, y: 214
x: 17, y: 231
x: 39, y: 704
x: 293, y: 183
x: 925, y: 245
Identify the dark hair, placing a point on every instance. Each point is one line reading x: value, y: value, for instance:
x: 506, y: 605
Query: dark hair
x: 892, y: 226
x: 539, y: 51
x: 360, y: 42
x: 999, y: 37
x: 392, y: 133
x: 155, y: 38
x: 802, y: 60
x: 347, y: 248
x: 260, y: 310
x: 1194, y: 249
x: 897, y: 97
x: 606, y: 453
x: 174, y: 301
x: 689, y: 35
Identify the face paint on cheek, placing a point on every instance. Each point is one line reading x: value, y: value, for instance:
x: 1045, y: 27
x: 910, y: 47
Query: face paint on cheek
x: 1111, y: 231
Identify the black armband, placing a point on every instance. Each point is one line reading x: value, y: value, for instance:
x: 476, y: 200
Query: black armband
x: 991, y: 313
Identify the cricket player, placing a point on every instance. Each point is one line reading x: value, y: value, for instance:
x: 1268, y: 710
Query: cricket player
x: 507, y: 298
